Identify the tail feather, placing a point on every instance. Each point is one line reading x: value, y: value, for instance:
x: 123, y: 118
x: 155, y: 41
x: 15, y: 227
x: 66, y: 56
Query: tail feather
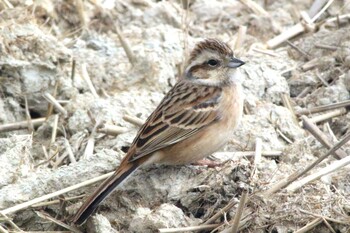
x: 102, y: 192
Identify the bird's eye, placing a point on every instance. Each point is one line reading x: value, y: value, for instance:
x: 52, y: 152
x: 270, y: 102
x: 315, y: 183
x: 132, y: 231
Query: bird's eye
x: 213, y: 62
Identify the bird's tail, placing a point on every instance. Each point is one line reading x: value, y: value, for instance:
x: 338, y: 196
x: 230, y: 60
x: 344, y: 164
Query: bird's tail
x: 103, y: 191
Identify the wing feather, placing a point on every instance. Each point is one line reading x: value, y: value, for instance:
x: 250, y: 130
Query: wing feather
x: 183, y: 112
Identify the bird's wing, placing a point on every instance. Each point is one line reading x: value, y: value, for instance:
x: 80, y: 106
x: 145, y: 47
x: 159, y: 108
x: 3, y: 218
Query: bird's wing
x: 184, y: 111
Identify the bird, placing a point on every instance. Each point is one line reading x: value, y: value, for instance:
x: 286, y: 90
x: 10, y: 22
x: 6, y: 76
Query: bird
x: 194, y: 119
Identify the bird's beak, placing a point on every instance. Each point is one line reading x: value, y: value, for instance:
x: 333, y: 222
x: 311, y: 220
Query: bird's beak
x: 234, y: 63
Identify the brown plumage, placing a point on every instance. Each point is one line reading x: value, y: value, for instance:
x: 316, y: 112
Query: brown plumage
x: 195, y: 118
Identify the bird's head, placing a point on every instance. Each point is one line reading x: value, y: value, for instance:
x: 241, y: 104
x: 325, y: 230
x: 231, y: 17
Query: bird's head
x: 212, y: 62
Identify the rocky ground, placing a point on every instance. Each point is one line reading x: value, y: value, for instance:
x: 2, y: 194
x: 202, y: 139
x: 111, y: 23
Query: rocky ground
x: 70, y: 71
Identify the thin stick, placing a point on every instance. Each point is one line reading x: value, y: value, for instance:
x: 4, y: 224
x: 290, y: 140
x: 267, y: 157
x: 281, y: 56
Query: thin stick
x: 238, y: 215
x: 321, y: 137
x: 324, y: 46
x: 69, y: 151
x: 87, y: 79
x: 229, y: 206
x: 133, y: 120
x: 21, y: 125
x: 257, y: 157
x: 241, y: 34
x: 73, y: 70
x: 28, y: 117
x: 27, y: 204
x: 265, y: 51
x: 112, y: 130
x: 329, y: 3
x: 302, y: 52
x: 188, y: 229
x: 55, y: 103
x: 304, y: 92
x: 288, y: 104
x: 316, y: 7
x: 81, y: 12
x: 328, y: 115
x: 48, y: 217
x: 309, y: 226
x: 47, y: 203
x: 286, y: 35
x: 327, y: 218
x: 256, y: 8
x: 285, y: 182
x: 54, y: 131
x: 323, y: 108
x: 3, y: 230
x: 249, y: 153
x: 8, y: 4
x: 328, y: 225
x: 126, y: 46
x: 322, y: 79
x: 7, y: 219
x: 316, y: 175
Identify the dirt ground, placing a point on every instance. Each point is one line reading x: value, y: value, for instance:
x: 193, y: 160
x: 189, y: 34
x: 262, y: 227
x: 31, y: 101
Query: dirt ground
x: 77, y: 78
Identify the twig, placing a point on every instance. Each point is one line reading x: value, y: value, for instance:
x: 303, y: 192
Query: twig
x: 321, y: 137
x: 316, y: 7
x: 47, y: 203
x: 50, y: 107
x: 329, y: 3
x: 81, y: 12
x: 265, y: 51
x: 316, y: 175
x: 126, y: 46
x: 285, y: 182
x: 288, y: 104
x: 328, y: 115
x: 72, y: 76
x: 3, y: 230
x: 337, y: 18
x: 249, y: 153
x: 328, y: 225
x: 229, y: 206
x: 27, y: 204
x: 286, y: 35
x: 87, y: 79
x: 188, y: 229
x: 133, y: 120
x: 241, y: 34
x: 323, y: 108
x: 304, y: 92
x: 54, y: 132
x: 89, y: 149
x: 55, y: 103
x: 311, y: 64
x: 324, y: 46
x: 309, y: 226
x: 321, y: 79
x: 8, y: 4
x: 69, y: 151
x: 302, y: 52
x: 7, y: 219
x: 256, y: 8
x: 327, y: 218
x: 258, y: 151
x: 238, y: 215
x: 112, y: 130
x: 21, y: 125
x: 28, y: 117
x: 48, y: 217
x: 284, y: 136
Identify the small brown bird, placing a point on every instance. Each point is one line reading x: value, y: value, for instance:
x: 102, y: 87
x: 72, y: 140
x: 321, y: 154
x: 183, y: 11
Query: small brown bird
x: 195, y: 118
